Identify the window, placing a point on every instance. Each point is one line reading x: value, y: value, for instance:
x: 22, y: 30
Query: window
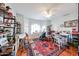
x: 43, y: 28
x: 35, y: 28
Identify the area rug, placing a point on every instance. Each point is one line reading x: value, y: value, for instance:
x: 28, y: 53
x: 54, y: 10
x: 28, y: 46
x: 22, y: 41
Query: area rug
x: 45, y: 48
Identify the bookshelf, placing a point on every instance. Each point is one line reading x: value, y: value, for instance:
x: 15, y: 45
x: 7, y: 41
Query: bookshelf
x: 7, y: 26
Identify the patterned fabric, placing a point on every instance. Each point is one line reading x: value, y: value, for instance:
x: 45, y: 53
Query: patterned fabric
x: 44, y: 47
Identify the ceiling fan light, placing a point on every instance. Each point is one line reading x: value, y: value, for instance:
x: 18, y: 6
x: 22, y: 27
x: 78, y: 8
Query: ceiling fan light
x: 47, y: 14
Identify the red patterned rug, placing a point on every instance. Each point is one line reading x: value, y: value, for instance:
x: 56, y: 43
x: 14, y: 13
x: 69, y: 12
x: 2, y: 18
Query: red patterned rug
x: 44, y: 47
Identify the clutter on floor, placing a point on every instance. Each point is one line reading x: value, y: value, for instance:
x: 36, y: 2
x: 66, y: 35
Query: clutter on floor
x: 20, y: 36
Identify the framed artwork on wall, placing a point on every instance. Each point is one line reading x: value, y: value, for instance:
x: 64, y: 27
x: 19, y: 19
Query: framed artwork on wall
x: 72, y: 23
x: 67, y: 24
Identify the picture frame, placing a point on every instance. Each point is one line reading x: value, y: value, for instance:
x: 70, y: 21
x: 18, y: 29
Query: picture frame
x: 67, y: 24
x: 72, y: 23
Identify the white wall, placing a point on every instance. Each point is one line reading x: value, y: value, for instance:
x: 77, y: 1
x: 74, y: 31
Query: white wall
x: 56, y: 22
x: 26, y: 25
x: 20, y: 19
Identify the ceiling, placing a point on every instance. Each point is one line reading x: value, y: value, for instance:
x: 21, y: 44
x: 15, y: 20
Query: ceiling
x: 34, y: 11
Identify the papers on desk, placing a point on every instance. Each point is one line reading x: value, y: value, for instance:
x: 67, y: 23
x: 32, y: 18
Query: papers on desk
x: 3, y: 41
x: 61, y: 40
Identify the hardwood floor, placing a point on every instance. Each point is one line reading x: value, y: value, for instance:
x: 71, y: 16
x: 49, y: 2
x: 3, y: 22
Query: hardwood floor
x: 22, y: 52
x: 69, y: 52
